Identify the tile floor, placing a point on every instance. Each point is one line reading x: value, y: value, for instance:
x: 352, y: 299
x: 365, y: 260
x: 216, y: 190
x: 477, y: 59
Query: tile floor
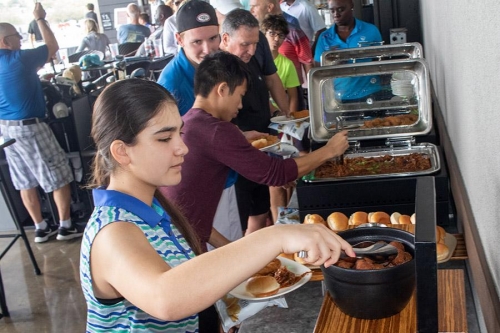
x: 50, y: 302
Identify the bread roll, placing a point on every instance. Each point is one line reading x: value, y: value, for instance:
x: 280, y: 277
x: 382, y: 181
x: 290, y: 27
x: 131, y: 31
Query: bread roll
x: 314, y: 218
x: 404, y: 219
x: 442, y: 251
x: 287, y: 255
x: 300, y: 114
x: 379, y: 217
x: 395, y: 218
x: 260, y: 143
x: 413, y: 218
x: 262, y: 286
x: 271, y: 139
x: 440, y: 234
x: 358, y: 218
x: 337, y: 221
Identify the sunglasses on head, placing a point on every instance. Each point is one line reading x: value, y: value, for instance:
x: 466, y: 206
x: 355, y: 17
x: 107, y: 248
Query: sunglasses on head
x: 16, y: 34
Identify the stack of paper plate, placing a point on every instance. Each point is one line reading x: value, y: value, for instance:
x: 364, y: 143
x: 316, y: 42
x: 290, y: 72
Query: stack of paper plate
x: 402, y: 84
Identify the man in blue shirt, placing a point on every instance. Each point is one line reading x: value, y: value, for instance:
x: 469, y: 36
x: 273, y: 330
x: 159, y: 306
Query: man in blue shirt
x: 347, y: 32
x: 35, y: 158
x: 198, y: 36
x: 133, y: 32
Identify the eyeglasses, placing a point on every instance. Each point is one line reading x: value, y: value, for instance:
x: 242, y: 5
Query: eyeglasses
x: 273, y: 34
x: 16, y: 34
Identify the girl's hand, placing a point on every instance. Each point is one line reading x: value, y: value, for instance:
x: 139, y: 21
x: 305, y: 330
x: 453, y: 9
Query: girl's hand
x: 323, y: 246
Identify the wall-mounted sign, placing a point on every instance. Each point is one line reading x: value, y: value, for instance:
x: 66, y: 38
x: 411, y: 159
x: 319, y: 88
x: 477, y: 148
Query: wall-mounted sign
x: 120, y: 17
x: 107, y: 23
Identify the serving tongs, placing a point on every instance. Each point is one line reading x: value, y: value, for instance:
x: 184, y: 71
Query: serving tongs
x: 379, y: 249
x: 340, y: 125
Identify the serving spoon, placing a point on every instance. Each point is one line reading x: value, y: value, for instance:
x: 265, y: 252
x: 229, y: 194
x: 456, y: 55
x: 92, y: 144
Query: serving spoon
x: 375, y: 249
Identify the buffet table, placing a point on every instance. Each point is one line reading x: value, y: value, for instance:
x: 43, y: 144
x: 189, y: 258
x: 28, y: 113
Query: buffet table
x: 451, y: 309
x: 312, y: 311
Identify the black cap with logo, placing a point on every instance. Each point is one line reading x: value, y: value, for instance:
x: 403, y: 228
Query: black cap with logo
x: 194, y: 14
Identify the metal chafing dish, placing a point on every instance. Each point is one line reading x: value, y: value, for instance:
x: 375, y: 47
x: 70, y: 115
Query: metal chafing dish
x: 372, y: 53
x: 427, y: 149
x: 403, y: 93
x: 329, y: 113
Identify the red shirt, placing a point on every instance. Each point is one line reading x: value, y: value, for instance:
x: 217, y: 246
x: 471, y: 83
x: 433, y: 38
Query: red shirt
x: 297, y: 48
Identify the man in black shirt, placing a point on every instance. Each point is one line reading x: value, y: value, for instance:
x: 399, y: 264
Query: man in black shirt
x: 240, y: 37
x: 91, y: 14
x: 34, y: 33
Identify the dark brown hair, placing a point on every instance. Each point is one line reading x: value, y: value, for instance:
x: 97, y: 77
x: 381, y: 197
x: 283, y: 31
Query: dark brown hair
x: 220, y: 67
x: 277, y: 23
x: 121, y: 112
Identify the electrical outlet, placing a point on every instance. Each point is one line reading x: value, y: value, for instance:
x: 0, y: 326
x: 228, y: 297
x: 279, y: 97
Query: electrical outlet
x: 397, y: 36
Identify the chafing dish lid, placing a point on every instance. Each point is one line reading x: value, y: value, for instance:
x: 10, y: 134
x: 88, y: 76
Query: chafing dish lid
x: 365, y: 97
x: 375, y: 53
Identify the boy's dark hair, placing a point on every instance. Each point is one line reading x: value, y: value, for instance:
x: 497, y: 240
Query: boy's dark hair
x: 145, y: 17
x: 276, y: 23
x: 90, y: 6
x: 217, y: 68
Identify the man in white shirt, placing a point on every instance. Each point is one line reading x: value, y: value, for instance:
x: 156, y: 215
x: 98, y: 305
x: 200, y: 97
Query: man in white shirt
x: 162, y: 13
x: 169, y: 29
x: 309, y: 19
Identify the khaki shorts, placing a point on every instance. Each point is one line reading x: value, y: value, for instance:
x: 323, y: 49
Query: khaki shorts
x: 227, y: 217
x: 36, y: 158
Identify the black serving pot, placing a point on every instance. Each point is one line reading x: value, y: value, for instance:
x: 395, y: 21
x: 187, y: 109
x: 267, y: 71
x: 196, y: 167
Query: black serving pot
x: 373, y: 294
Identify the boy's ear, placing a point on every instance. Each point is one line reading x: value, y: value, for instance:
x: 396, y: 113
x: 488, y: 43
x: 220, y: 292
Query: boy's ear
x: 225, y: 39
x: 222, y: 89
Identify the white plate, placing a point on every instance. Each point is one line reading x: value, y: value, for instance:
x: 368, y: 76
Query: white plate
x: 293, y: 266
x: 285, y: 120
x: 270, y: 147
x: 284, y: 149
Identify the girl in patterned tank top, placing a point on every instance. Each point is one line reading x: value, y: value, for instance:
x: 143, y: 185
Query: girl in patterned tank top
x: 141, y: 266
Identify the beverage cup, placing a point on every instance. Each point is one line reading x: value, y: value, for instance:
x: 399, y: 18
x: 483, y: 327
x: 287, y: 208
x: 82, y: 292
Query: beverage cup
x: 158, y: 48
x: 114, y: 49
x: 63, y: 56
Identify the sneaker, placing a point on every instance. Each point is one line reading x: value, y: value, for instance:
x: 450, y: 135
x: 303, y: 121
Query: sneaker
x: 42, y: 235
x: 68, y: 233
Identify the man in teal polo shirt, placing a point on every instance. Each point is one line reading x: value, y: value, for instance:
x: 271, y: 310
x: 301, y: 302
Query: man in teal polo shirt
x: 347, y: 32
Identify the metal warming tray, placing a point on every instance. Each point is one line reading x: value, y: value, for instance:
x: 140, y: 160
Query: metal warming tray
x: 427, y: 149
x: 372, y: 53
x: 404, y: 91
x: 397, y: 111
